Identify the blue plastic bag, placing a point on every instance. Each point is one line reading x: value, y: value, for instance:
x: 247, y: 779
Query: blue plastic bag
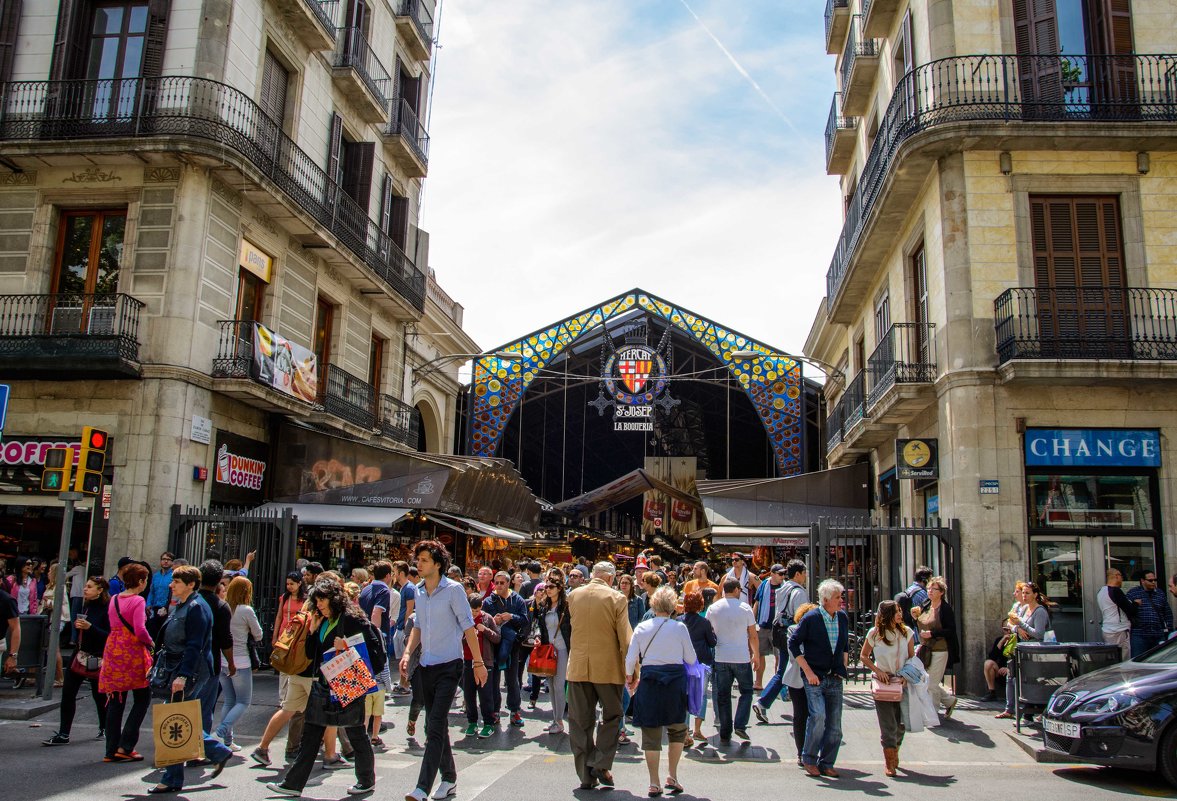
x: 697, y: 674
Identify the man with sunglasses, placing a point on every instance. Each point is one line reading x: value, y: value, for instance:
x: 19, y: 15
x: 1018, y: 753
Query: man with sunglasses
x: 509, y: 611
x: 1154, y: 618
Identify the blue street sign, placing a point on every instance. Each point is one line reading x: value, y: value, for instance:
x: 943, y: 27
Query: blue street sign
x: 3, y: 405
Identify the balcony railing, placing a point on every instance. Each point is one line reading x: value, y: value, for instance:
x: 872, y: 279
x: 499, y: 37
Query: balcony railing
x: 355, y: 52
x: 836, y: 123
x: 1086, y: 323
x: 856, y: 47
x: 832, y: 8
x: 326, y: 12
x: 834, y: 420
x: 847, y: 412
x: 69, y: 332
x: 406, y: 124
x: 195, y: 108
x: 346, y: 396
x: 422, y: 20
x: 234, y: 357
x: 1004, y: 88
x: 905, y: 355
x: 398, y: 420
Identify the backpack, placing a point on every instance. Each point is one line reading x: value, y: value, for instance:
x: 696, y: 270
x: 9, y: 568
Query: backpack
x: 289, y: 654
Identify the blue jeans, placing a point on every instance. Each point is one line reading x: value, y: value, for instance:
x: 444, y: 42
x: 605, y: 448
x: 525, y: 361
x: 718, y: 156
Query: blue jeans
x: 823, y: 730
x: 173, y: 775
x: 237, y: 691
x: 775, y: 685
x: 1143, y: 641
x: 725, y: 674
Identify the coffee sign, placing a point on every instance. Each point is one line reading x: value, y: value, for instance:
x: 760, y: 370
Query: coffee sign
x: 239, y: 472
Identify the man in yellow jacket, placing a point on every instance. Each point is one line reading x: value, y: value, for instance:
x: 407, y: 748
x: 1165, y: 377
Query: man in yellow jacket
x: 596, y: 674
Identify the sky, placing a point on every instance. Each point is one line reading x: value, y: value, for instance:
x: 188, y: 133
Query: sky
x: 581, y: 148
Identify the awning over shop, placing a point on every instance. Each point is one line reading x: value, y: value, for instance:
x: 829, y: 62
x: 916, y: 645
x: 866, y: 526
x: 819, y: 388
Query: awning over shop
x: 752, y: 536
x: 484, y: 529
x: 619, y: 491
x: 786, y: 503
x: 331, y: 514
x: 317, y: 467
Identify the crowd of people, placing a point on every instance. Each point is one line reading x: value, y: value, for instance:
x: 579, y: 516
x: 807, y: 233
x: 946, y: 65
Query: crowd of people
x: 645, y: 649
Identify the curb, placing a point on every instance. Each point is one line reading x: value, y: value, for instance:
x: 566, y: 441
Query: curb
x: 26, y: 709
x: 1035, y: 750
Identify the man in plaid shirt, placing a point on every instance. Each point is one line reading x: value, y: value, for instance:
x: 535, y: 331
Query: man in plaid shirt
x: 1154, y: 618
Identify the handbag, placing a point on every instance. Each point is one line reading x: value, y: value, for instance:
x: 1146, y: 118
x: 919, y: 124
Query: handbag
x: 886, y: 691
x: 86, y: 665
x: 543, y: 660
x: 255, y: 660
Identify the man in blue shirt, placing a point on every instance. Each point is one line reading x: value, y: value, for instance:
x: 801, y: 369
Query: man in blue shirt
x: 159, y: 597
x: 444, y: 619
x: 1154, y: 618
x: 819, y: 646
x: 408, y: 601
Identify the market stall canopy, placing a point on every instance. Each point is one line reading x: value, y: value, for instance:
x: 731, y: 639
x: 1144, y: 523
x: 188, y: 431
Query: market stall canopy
x: 753, y: 536
x: 617, y: 492
x: 795, y: 502
x: 317, y: 467
x: 331, y: 514
x: 480, y: 529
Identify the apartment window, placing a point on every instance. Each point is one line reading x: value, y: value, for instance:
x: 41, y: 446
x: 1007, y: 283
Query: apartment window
x: 394, y: 214
x: 110, y: 41
x: 1079, y: 30
x: 376, y: 363
x: 350, y: 163
x: 89, y: 250
x: 250, y: 292
x: 902, y: 52
x: 1079, y: 275
x: 882, y: 316
x: 859, y: 354
x: 275, y: 88
x: 321, y: 344
x: 408, y: 88
x: 919, y: 301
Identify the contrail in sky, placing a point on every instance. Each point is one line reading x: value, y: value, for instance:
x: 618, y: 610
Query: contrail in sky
x: 739, y: 68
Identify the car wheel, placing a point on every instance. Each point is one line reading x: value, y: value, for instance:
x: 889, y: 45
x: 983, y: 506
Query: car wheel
x: 1167, y: 756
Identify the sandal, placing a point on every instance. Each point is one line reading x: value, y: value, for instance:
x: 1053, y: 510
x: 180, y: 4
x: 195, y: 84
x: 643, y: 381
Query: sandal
x: 655, y: 791
x: 673, y: 787
x: 1003, y: 716
x: 411, y: 728
x: 688, y: 742
x: 134, y: 756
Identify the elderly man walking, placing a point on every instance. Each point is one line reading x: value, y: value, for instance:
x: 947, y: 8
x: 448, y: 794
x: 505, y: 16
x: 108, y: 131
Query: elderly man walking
x: 596, y: 674
x: 819, y: 646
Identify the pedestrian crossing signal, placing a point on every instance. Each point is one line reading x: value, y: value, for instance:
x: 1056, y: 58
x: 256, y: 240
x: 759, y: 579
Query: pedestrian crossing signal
x: 58, y: 464
x: 91, y: 461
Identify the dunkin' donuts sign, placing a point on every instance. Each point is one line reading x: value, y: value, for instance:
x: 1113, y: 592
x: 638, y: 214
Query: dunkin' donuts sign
x: 239, y: 471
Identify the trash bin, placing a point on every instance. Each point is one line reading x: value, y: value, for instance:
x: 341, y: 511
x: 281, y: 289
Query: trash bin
x: 1042, y: 669
x: 1087, y: 657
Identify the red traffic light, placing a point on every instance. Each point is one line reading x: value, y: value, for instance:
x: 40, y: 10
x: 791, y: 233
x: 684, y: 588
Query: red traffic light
x: 97, y: 439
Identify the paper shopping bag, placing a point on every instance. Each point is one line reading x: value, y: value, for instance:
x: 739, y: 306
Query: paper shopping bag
x: 348, y: 677
x: 355, y: 643
x: 177, y: 732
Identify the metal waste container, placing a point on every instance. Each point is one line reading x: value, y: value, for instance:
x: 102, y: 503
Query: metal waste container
x: 1088, y: 657
x: 1044, y: 667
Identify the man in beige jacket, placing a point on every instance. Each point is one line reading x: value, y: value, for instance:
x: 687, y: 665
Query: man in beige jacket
x: 596, y: 673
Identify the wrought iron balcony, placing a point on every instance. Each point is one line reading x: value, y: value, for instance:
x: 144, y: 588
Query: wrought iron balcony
x: 837, y: 17
x: 853, y: 401
x: 413, y: 17
x: 905, y: 355
x: 199, y: 110
x: 398, y: 421
x: 313, y: 21
x: 1086, y: 323
x: 840, y: 134
x: 346, y: 396
x: 860, y: 64
x: 1003, y: 89
x: 267, y: 377
x: 234, y: 357
x: 834, y: 421
x: 355, y: 57
x: 69, y: 336
x: 408, y: 141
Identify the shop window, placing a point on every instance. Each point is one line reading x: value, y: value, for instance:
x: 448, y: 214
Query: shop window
x: 1118, y: 502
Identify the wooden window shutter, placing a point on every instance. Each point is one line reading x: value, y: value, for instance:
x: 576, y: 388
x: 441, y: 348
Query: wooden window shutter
x: 157, y: 38
x: 399, y: 230
x: 69, y: 42
x: 1036, y: 34
x: 365, y: 159
x: 335, y: 149
x: 385, y: 203
x: 9, y: 28
x: 275, y: 84
x: 1114, y: 77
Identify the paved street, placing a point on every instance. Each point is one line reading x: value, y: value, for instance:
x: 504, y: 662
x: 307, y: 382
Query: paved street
x: 971, y: 756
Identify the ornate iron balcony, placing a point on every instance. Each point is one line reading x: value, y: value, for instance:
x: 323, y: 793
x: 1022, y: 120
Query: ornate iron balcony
x: 856, y: 46
x: 406, y: 123
x: 199, y: 109
x: 326, y: 12
x: 70, y: 334
x: 422, y: 21
x: 1086, y: 323
x: 355, y: 52
x: 832, y: 8
x: 346, y: 396
x: 905, y: 355
x: 836, y: 124
x: 1004, y: 89
x: 398, y: 421
x: 234, y: 357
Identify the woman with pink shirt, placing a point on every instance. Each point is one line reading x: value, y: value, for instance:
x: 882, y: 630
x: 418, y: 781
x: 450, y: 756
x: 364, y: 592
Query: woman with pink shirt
x: 126, y: 661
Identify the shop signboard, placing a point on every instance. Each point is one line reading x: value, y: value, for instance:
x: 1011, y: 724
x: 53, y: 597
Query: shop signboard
x: 1093, y: 447
x: 284, y: 365
x: 239, y: 470
x: 917, y: 458
x: 679, y: 472
x: 22, y: 460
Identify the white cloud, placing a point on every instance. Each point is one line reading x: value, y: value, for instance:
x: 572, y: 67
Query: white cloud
x: 574, y: 158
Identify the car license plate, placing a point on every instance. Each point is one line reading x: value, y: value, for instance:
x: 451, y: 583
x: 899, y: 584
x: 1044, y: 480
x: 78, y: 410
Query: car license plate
x: 1061, y: 728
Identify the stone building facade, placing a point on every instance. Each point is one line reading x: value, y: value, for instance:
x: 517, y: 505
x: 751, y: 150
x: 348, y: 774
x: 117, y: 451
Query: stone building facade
x: 197, y: 199
x: 1006, y: 284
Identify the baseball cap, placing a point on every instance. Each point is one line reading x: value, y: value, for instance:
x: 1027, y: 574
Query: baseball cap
x: 126, y: 560
x: 779, y: 569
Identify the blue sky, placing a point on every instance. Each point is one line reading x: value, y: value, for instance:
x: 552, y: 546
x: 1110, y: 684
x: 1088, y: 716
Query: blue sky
x: 580, y: 149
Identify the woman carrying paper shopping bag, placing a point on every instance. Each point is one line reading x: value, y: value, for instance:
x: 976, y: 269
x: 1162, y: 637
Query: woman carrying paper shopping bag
x: 335, y: 618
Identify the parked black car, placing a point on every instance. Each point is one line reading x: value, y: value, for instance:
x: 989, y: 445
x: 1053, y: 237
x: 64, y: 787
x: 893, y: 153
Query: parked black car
x: 1124, y: 715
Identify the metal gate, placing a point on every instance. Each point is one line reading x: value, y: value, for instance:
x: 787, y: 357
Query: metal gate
x: 199, y: 534
x: 874, y: 563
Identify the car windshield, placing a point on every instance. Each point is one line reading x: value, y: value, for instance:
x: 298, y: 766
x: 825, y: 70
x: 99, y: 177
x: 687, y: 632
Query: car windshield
x: 1165, y: 655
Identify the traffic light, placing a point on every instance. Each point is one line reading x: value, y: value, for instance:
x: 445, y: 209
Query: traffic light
x: 58, y: 463
x: 91, y: 460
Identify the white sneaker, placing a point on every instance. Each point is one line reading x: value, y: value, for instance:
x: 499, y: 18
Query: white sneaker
x: 278, y: 789
x: 444, y: 790
x: 417, y: 795
x: 233, y: 747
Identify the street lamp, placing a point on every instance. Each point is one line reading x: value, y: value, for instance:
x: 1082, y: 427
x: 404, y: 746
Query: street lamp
x: 832, y: 373
x: 433, y: 365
